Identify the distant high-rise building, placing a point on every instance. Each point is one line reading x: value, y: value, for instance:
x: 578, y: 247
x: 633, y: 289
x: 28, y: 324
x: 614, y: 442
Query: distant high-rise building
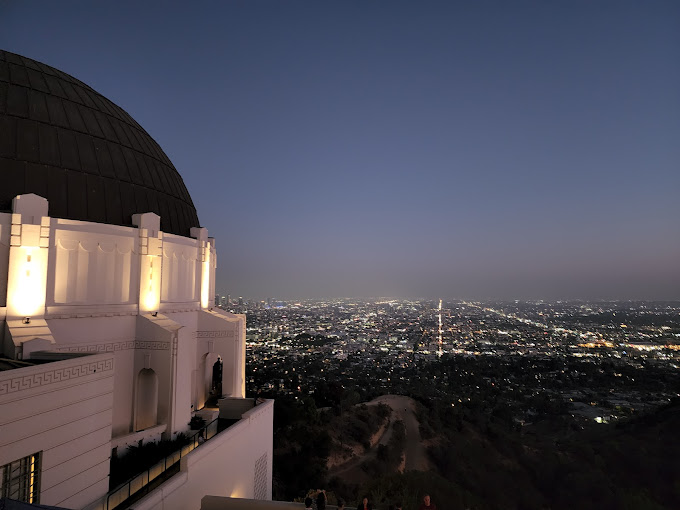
x: 240, y: 301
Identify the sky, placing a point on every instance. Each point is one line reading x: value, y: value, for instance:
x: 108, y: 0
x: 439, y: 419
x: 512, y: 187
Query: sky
x: 471, y: 150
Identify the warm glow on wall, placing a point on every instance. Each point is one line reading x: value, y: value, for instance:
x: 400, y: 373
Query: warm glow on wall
x: 205, y: 280
x: 150, y: 288
x: 151, y: 302
x: 237, y: 492
x: 27, y: 281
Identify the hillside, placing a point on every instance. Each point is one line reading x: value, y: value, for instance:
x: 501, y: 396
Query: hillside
x: 630, y: 464
x: 395, y: 447
x: 479, y: 461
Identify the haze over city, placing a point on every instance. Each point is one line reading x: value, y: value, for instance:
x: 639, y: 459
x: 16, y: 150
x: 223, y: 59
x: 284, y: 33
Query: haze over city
x: 447, y: 251
x: 462, y: 150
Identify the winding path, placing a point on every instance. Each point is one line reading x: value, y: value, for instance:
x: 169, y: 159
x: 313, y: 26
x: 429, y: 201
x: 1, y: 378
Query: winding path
x: 403, y: 408
x: 415, y: 455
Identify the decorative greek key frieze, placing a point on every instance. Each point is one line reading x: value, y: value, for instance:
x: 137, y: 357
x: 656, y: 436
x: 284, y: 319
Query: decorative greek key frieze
x: 116, y: 346
x: 215, y: 334
x: 157, y: 346
x: 53, y: 376
x: 123, y: 345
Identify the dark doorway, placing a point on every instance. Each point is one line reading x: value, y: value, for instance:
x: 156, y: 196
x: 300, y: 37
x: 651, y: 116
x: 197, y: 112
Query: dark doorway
x: 216, y: 385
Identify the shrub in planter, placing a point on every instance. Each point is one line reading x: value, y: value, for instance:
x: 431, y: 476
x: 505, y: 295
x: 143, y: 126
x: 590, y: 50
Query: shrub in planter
x: 196, y: 423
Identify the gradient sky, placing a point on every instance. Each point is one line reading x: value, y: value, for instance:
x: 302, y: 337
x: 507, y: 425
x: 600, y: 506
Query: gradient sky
x: 422, y: 149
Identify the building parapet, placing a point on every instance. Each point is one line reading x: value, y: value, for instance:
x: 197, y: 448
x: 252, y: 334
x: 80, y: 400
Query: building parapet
x: 170, y: 473
x: 225, y: 503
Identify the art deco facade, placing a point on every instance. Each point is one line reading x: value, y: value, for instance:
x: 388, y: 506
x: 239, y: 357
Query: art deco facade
x: 109, y: 336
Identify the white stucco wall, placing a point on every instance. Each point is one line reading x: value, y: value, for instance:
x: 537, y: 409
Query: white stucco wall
x: 181, y: 270
x: 155, y: 336
x: 227, y: 334
x: 86, y: 268
x: 104, y: 334
x: 98, y: 289
x: 91, y: 264
x: 97, y: 269
x: 235, y: 463
x: 157, y: 339
x: 5, y: 226
x: 64, y: 410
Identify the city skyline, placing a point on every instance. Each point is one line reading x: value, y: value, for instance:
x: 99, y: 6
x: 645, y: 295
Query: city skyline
x: 518, y: 151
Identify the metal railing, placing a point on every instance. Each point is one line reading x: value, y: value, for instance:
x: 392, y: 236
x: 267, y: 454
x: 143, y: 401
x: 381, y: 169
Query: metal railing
x: 140, y: 484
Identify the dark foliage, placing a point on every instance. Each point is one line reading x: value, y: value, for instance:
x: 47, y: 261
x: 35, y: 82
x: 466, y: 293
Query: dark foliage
x: 140, y: 458
x: 629, y: 465
x: 301, y: 447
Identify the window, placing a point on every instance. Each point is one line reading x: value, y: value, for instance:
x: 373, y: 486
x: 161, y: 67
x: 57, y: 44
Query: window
x: 21, y: 479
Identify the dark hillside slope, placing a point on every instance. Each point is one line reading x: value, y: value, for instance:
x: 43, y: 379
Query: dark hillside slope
x: 632, y: 464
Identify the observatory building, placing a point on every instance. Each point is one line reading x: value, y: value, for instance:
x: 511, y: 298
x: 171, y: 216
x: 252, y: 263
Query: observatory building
x: 108, y: 333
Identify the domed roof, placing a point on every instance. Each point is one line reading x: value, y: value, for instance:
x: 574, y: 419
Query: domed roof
x: 64, y: 141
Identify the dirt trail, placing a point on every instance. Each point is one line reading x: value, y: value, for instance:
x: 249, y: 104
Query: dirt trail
x: 415, y: 455
x: 403, y: 408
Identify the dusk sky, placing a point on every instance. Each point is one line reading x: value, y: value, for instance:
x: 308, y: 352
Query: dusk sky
x: 502, y: 149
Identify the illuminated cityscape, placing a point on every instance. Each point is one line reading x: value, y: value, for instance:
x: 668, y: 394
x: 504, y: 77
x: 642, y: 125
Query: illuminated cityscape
x: 488, y: 382
x: 393, y: 337
x: 256, y: 254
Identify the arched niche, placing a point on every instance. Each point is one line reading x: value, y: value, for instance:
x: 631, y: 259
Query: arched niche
x: 146, y: 402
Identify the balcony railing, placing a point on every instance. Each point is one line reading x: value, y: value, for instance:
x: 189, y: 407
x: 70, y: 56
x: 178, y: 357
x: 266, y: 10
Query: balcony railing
x: 141, y: 484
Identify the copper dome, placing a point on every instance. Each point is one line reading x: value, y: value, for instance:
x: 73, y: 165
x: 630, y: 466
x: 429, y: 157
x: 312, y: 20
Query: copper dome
x: 64, y: 141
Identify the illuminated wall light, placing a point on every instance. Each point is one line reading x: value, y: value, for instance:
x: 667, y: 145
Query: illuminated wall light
x: 150, y: 299
x: 27, y: 294
x: 205, y: 280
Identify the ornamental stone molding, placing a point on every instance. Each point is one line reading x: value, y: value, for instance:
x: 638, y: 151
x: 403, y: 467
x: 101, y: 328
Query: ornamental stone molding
x: 56, y: 375
x: 123, y: 345
x: 215, y: 334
